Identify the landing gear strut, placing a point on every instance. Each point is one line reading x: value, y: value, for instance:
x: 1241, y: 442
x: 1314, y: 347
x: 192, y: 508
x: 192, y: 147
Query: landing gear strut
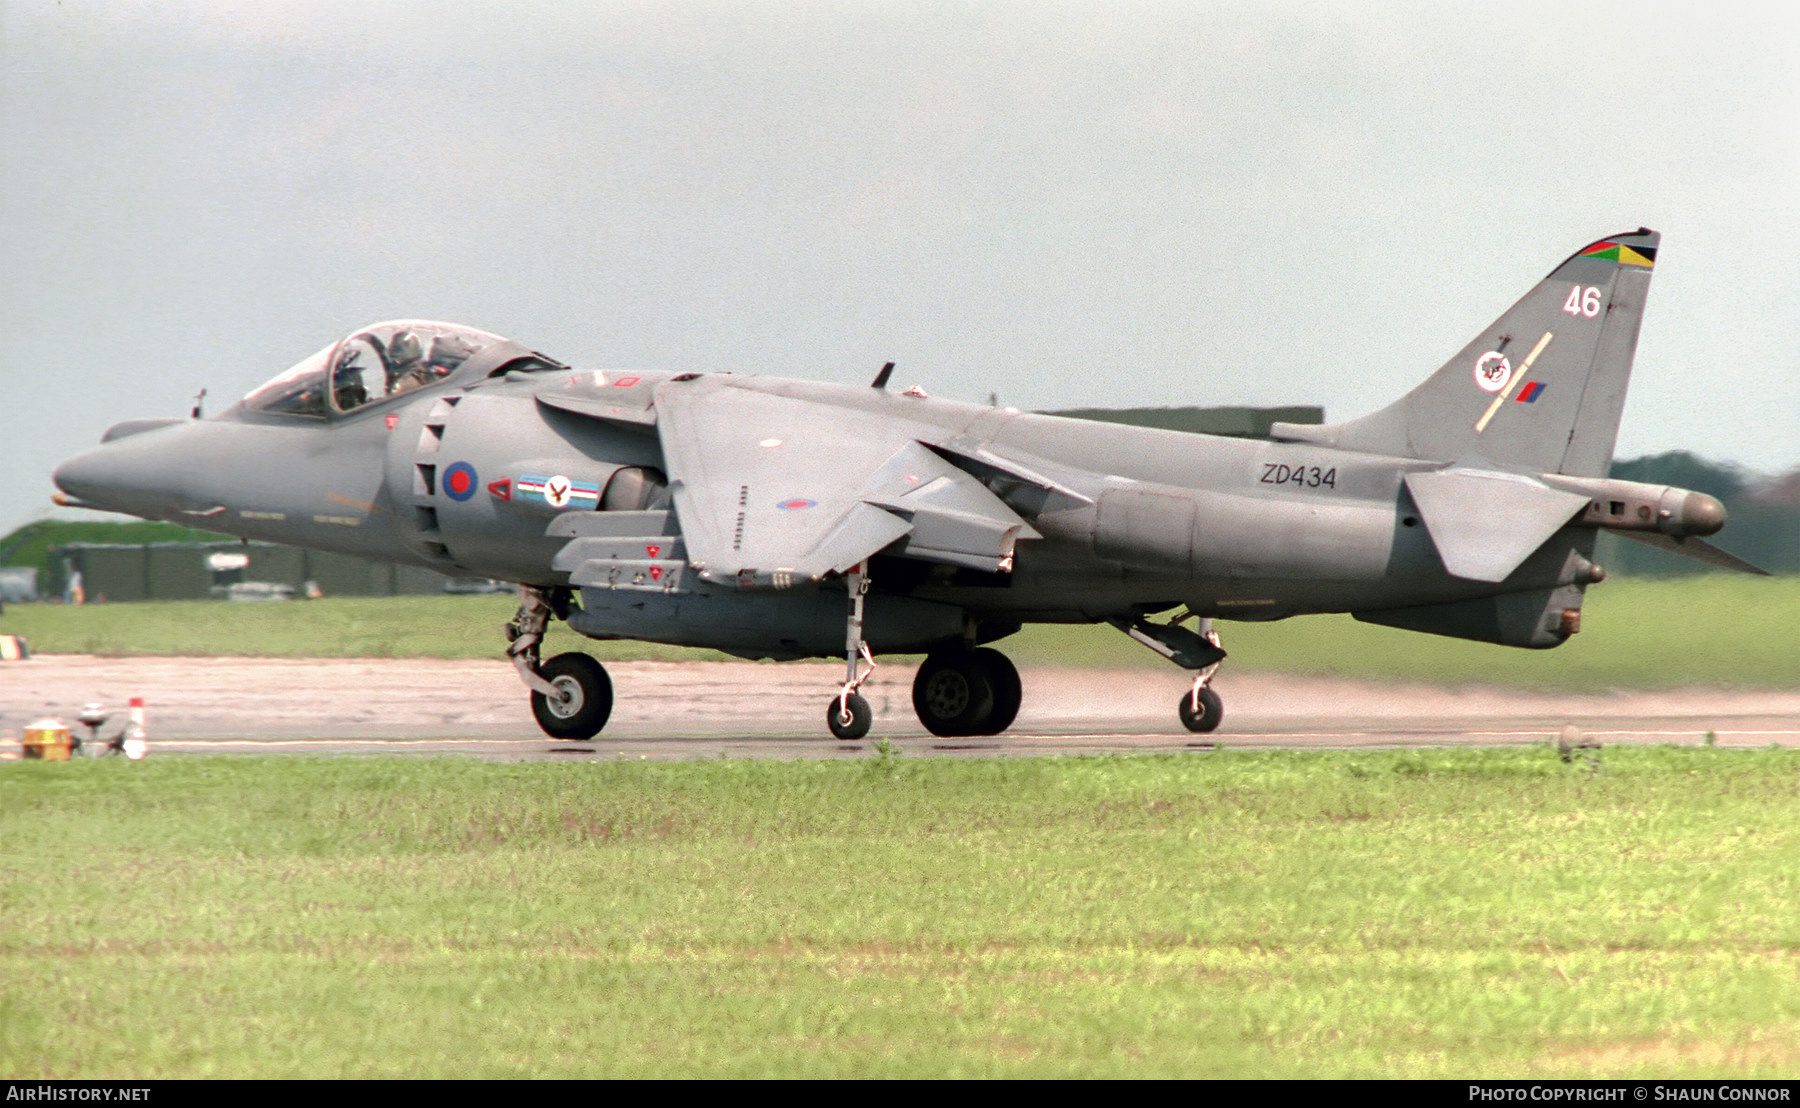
x: 1200, y: 708
x: 959, y: 690
x: 849, y: 715
x: 571, y: 694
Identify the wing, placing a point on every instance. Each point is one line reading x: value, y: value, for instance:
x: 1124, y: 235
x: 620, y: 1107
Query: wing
x: 774, y: 490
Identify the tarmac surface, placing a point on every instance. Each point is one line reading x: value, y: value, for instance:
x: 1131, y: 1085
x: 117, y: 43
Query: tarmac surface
x: 671, y: 710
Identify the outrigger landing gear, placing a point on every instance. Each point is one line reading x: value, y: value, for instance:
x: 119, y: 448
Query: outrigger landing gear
x: 849, y: 715
x: 571, y: 694
x: 1200, y: 708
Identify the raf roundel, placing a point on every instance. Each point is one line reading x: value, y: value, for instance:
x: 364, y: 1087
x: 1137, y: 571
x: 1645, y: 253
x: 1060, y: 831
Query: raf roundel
x: 460, y: 482
x: 797, y: 504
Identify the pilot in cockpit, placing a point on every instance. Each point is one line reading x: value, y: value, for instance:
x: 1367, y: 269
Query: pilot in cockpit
x: 406, y: 368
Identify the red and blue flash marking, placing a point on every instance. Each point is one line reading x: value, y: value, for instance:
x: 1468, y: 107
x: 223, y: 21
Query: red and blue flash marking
x: 1530, y: 393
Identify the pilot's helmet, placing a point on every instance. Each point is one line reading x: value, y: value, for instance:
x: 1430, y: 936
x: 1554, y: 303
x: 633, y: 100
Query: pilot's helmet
x: 404, y: 349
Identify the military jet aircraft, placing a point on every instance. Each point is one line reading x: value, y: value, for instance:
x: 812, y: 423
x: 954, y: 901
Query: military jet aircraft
x: 790, y: 519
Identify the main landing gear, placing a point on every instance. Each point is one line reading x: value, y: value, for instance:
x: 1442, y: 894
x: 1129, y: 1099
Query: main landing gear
x: 571, y: 695
x: 958, y: 691
x: 1200, y: 708
x: 966, y: 692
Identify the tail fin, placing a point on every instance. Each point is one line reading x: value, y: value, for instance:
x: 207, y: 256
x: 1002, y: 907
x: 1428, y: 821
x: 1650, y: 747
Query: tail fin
x: 1540, y: 391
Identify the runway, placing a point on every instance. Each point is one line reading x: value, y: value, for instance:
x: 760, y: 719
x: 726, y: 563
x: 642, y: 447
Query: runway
x: 667, y: 710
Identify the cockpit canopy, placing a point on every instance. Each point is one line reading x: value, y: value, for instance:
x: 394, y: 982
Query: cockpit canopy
x: 374, y: 364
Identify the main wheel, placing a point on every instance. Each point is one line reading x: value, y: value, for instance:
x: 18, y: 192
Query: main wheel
x: 1004, y: 676
x: 1212, y: 710
x: 953, y: 693
x: 584, y: 699
x: 851, y: 722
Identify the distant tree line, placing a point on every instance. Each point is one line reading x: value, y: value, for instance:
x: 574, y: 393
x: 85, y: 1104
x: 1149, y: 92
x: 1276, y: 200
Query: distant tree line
x: 1764, y: 524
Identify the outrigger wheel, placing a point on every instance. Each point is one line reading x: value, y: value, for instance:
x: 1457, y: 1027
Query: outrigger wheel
x: 849, y: 717
x: 584, y: 697
x: 1204, y: 715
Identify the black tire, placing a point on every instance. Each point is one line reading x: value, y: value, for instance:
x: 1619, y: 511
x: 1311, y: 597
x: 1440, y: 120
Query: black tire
x: 587, y: 697
x: 1212, y: 710
x: 953, y: 693
x: 860, y: 717
x: 1007, y: 692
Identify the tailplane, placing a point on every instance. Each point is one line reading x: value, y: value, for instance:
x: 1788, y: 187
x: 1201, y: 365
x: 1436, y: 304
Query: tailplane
x: 1540, y: 390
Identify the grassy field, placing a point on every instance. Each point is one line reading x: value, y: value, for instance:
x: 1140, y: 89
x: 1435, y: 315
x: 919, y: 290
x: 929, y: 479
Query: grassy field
x: 1296, y: 914
x: 1715, y: 630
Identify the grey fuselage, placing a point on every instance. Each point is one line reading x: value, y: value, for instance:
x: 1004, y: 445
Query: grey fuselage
x: 1242, y: 529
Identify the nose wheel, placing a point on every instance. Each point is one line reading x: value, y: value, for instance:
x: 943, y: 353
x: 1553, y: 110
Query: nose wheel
x: 580, y: 701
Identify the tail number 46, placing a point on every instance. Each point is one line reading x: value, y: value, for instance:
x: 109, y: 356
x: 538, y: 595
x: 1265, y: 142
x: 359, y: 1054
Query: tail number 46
x: 1583, y: 301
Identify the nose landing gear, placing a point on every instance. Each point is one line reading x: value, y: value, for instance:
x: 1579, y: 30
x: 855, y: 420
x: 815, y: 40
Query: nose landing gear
x: 582, y: 699
x: 571, y: 694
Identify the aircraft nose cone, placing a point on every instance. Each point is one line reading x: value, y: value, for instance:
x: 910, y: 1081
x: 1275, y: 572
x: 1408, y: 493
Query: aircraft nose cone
x: 91, y: 477
x: 143, y: 474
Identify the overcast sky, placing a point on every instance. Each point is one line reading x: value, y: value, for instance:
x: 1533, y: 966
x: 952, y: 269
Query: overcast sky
x: 1114, y: 204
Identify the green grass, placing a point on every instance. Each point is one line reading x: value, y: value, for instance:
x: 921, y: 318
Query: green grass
x: 1716, y: 630
x: 1290, y: 914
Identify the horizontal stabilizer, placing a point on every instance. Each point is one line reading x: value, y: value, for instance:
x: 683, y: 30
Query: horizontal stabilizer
x: 1698, y: 549
x: 1485, y: 524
